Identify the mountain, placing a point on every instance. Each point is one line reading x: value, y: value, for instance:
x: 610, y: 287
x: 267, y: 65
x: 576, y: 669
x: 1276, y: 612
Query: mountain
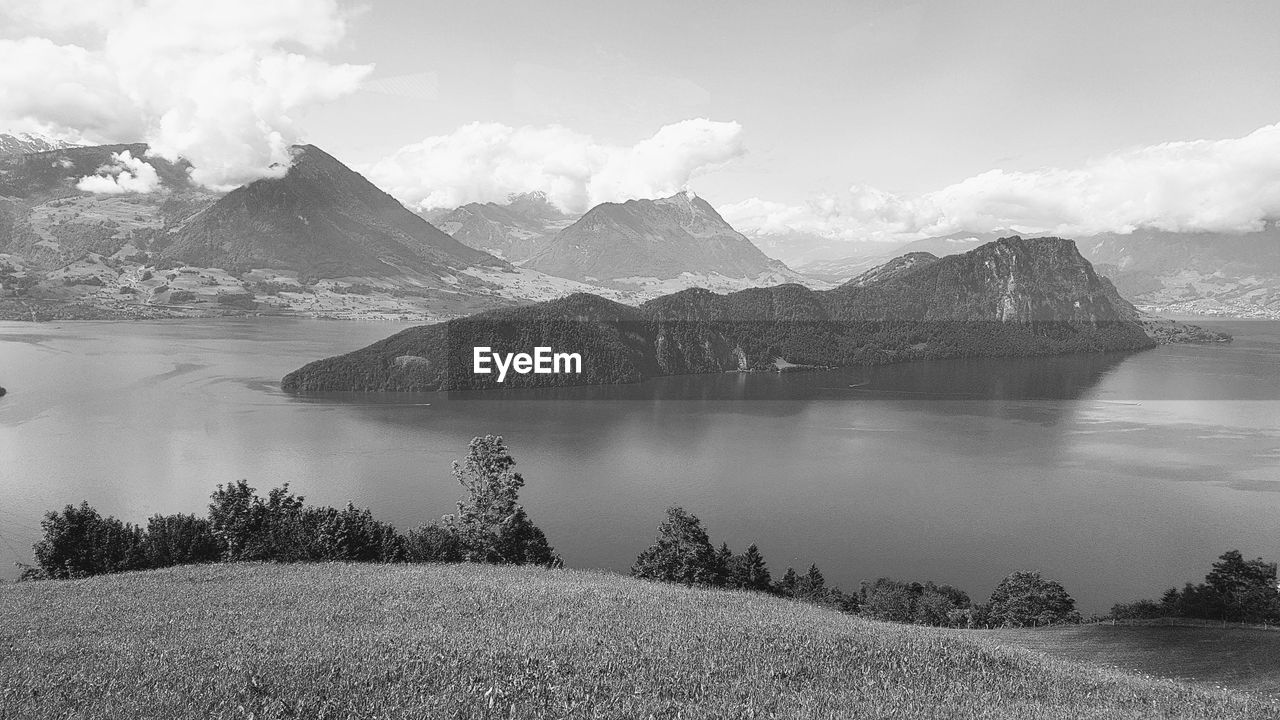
x: 1194, y: 272
x: 648, y: 241
x: 1010, y: 280
x: 47, y: 222
x: 322, y: 220
x: 511, y: 231
x: 26, y: 143
x: 1012, y: 297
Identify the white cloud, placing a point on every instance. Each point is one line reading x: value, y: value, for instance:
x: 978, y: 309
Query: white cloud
x: 125, y: 174
x: 483, y: 162
x: 1230, y: 185
x: 215, y: 83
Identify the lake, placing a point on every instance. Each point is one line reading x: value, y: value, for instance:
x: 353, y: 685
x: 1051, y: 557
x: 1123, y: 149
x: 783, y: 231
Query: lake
x: 1117, y: 475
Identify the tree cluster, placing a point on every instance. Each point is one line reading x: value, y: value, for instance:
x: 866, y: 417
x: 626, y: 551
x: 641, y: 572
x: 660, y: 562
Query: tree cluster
x: 241, y: 525
x: 683, y: 553
x: 1234, y: 590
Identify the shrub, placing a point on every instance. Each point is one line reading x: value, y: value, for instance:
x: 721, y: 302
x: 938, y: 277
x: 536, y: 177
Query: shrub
x: 250, y: 528
x: 352, y: 534
x: 180, y: 540
x: 1137, y: 610
x: 433, y: 543
x: 78, y: 542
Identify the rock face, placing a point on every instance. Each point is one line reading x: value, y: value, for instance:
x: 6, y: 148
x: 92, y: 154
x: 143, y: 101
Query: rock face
x: 622, y: 243
x: 1012, y: 297
x: 513, y: 231
x: 322, y: 220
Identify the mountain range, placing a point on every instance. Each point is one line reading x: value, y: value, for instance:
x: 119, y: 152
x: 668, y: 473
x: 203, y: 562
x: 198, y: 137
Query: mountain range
x: 1012, y: 297
x: 302, y: 241
x: 12, y: 145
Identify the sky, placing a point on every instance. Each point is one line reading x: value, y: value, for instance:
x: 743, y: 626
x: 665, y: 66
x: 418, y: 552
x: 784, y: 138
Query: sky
x: 852, y: 121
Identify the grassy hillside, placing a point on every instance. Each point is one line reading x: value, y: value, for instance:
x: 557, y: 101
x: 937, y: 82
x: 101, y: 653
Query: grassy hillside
x: 1236, y: 657
x: 368, y: 641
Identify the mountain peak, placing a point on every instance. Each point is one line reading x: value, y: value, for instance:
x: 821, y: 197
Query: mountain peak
x: 322, y: 219
x: 652, y: 239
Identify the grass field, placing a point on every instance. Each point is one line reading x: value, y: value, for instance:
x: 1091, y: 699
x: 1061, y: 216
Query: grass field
x: 464, y: 641
x: 1240, y: 658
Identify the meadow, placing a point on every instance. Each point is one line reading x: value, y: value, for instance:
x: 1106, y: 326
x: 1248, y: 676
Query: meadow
x: 1241, y: 658
x: 332, y: 640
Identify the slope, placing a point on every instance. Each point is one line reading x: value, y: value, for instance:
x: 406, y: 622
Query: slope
x: 466, y: 641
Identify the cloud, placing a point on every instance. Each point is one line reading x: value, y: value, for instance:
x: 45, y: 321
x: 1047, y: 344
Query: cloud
x: 215, y: 83
x: 125, y: 174
x: 1229, y: 186
x: 483, y: 162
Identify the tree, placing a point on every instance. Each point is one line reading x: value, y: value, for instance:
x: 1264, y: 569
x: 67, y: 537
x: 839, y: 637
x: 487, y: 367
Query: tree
x: 812, y: 586
x: 941, y: 605
x: 1233, y: 575
x: 681, y: 553
x: 787, y: 585
x: 724, y: 566
x: 889, y: 599
x: 490, y: 524
x: 750, y: 571
x: 1247, y: 588
x: 1024, y: 599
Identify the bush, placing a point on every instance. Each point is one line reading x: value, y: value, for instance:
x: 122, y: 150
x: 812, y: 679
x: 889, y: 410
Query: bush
x: 1137, y: 610
x: 78, y: 542
x: 433, y: 543
x: 352, y: 535
x: 250, y: 528
x: 180, y: 540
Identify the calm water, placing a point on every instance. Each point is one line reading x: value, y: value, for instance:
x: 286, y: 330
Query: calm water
x: 1119, y: 476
